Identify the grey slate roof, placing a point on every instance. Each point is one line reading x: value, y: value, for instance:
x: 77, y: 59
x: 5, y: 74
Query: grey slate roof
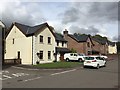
x: 111, y: 43
x: 29, y: 30
x: 59, y: 37
x: 79, y: 38
x: 101, y: 41
x: 62, y: 50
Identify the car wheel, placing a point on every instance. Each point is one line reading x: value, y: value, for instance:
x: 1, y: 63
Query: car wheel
x: 98, y: 66
x: 105, y: 64
x: 67, y: 59
x: 79, y: 60
x: 84, y: 66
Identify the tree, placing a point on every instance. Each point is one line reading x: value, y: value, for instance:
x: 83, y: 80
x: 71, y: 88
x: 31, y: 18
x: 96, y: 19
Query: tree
x: 73, y: 50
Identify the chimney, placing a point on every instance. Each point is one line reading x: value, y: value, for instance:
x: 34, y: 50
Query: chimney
x: 65, y: 32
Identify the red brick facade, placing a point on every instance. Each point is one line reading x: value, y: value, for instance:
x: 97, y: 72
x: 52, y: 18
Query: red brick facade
x: 80, y: 47
x: 101, y: 48
x: 83, y: 47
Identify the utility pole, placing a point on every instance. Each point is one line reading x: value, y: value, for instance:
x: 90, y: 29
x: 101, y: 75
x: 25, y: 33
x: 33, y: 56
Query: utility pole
x: 2, y: 27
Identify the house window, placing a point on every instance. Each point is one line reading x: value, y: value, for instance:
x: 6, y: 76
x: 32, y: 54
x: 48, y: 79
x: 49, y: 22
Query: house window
x: 49, y: 40
x: 49, y: 54
x: 57, y: 43
x: 41, y: 54
x: 41, y: 39
x: 88, y: 44
x: 13, y: 41
x: 62, y: 44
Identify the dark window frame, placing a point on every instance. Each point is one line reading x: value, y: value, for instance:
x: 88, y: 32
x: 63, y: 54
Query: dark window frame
x: 57, y: 43
x: 49, y: 40
x: 13, y: 41
x: 41, y: 55
x: 62, y: 44
x: 88, y: 44
x: 49, y: 55
x: 41, y: 39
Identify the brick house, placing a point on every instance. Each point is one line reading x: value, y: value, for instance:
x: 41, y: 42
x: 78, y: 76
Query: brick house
x: 80, y: 43
x: 100, y: 46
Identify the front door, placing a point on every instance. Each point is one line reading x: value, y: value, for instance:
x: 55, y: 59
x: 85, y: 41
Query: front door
x: 61, y: 56
x: 18, y: 54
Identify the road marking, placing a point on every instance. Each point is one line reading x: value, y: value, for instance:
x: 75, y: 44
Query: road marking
x: 32, y: 79
x: 63, y: 72
x: 6, y: 76
x: 24, y: 68
x: 19, y: 74
x: 4, y: 72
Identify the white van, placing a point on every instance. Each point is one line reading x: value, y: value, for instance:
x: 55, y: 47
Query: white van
x: 74, y: 56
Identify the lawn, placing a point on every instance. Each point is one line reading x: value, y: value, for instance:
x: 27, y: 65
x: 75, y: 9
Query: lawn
x: 56, y: 65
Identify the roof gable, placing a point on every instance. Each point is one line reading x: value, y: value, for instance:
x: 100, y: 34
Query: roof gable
x: 111, y: 43
x: 79, y: 38
x: 59, y: 37
x: 30, y: 30
x: 101, y: 41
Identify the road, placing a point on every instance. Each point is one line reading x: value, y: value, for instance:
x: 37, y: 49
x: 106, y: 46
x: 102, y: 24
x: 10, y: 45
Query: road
x: 105, y: 77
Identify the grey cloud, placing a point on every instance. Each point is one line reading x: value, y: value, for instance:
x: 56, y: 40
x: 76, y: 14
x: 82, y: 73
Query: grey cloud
x: 90, y: 30
x: 106, y: 11
x: 23, y: 13
x: 71, y: 15
x: 116, y: 38
x: 92, y: 12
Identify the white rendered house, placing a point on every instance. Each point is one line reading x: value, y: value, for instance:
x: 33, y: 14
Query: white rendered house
x: 32, y: 43
x: 112, y: 48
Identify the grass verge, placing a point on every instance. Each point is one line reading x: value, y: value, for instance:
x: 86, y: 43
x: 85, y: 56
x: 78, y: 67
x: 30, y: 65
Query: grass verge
x: 57, y: 65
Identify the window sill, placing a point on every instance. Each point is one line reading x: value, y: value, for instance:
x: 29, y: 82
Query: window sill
x: 49, y: 44
x: 41, y: 43
x: 41, y: 60
x: 49, y: 59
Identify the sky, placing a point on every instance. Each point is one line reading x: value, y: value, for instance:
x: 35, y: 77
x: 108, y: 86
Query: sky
x: 77, y: 17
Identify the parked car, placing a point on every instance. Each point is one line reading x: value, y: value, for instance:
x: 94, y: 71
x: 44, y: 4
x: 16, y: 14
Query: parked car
x: 104, y: 56
x: 73, y: 56
x: 94, y: 61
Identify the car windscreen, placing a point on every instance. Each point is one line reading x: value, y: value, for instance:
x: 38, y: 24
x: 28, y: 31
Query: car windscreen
x: 99, y: 58
x: 89, y: 58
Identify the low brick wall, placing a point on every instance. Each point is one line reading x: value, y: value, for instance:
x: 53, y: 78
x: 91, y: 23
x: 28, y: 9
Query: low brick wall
x: 12, y: 61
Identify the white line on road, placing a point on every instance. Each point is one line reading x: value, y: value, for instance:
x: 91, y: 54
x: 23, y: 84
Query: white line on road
x: 63, y: 72
x: 6, y: 76
x: 32, y: 79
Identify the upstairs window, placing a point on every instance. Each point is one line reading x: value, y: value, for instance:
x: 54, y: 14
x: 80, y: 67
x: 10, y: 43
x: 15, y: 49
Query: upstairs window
x: 88, y: 44
x: 13, y: 41
x: 62, y: 44
x: 41, y: 39
x: 49, y: 40
x: 57, y: 43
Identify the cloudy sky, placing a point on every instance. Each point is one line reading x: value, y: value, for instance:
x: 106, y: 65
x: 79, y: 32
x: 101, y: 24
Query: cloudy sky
x: 78, y: 17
